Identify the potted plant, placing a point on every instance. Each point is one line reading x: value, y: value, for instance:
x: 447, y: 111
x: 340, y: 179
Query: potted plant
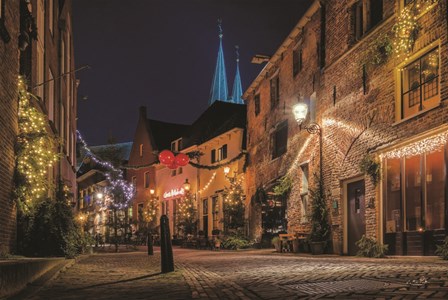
x: 320, y: 228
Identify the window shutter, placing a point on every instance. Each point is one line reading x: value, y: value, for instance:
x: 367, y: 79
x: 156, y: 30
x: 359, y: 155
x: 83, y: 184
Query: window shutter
x: 213, y: 155
x: 224, y: 151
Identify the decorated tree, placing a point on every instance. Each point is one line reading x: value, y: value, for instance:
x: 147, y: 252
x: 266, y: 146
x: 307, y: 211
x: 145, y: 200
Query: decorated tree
x: 234, y: 205
x: 187, y: 214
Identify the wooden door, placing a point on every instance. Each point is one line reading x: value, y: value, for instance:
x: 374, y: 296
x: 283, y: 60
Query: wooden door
x: 356, y: 214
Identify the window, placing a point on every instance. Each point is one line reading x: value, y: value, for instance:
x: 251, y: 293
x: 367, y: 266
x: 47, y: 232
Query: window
x: 222, y: 152
x: 173, y: 146
x: 296, y: 61
x: 134, y: 182
x: 146, y: 181
x: 406, y: 2
x: 50, y: 15
x: 141, y: 150
x: 215, y: 212
x: 176, y: 146
x: 213, y: 156
x: 257, y: 104
x: 4, y: 34
x: 173, y: 173
x: 179, y: 144
x: 415, y: 192
x: 140, y: 212
x: 280, y: 140
x: 420, y: 84
x: 50, y: 95
x: 180, y: 170
x: 130, y: 212
x: 275, y: 91
x: 205, y: 207
x: 366, y: 14
x: 304, y: 193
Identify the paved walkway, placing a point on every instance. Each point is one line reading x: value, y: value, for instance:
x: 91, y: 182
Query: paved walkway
x: 256, y: 274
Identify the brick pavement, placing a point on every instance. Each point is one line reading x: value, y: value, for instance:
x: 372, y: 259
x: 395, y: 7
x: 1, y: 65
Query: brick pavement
x: 255, y: 274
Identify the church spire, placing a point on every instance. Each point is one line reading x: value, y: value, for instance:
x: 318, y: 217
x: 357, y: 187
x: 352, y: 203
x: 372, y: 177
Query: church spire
x: 237, y: 91
x: 219, y: 84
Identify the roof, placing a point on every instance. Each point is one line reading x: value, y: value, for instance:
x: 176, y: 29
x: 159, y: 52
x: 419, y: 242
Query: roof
x: 219, y: 118
x: 164, y: 133
x: 121, y: 152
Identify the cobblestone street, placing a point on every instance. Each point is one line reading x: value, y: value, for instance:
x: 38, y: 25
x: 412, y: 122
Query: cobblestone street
x: 254, y: 274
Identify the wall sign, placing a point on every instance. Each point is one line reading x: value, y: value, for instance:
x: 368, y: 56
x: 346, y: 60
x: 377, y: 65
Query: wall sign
x: 173, y: 193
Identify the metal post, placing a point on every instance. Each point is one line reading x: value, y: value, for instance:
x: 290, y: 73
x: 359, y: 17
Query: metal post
x: 166, y: 250
x: 149, y: 243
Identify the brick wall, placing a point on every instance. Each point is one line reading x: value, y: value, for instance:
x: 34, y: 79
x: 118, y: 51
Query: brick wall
x: 9, y: 71
x: 357, y: 116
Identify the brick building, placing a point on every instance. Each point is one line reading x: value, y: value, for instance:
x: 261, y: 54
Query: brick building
x: 36, y: 42
x: 9, y: 70
x: 372, y: 76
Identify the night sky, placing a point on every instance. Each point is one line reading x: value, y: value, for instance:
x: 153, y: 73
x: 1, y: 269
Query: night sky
x: 162, y: 54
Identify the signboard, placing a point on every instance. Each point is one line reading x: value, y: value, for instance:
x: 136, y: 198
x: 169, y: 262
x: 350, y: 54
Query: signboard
x: 173, y: 193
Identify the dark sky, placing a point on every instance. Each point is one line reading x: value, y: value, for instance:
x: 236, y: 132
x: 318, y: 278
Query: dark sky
x: 162, y: 54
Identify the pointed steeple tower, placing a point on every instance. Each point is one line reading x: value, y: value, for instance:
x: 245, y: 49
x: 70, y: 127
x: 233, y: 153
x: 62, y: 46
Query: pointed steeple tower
x: 237, y: 91
x: 219, y: 84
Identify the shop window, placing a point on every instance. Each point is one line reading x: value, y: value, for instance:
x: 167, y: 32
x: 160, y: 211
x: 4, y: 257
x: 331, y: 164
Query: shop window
x: 257, y: 104
x: 297, y: 61
x: 279, y: 140
x: 420, y: 84
x: 275, y: 91
x: 415, y: 192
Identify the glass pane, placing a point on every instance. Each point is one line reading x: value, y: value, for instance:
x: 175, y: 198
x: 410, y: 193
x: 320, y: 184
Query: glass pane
x: 411, y: 76
x: 435, y: 190
x: 413, y: 179
x: 430, y: 72
x: 393, y: 196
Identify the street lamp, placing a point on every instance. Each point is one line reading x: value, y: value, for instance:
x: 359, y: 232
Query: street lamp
x: 186, y: 185
x: 99, y: 195
x: 300, y: 111
x: 226, y: 171
x: 152, y: 191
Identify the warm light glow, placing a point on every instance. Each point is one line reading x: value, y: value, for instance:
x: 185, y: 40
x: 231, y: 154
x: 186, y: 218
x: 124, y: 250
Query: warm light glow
x: 152, y: 191
x: 99, y: 195
x: 226, y: 170
x: 208, y: 183
x: 187, y: 185
x: 300, y: 111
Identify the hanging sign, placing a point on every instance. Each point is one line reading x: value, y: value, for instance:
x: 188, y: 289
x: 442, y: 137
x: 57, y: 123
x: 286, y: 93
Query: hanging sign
x: 173, y: 193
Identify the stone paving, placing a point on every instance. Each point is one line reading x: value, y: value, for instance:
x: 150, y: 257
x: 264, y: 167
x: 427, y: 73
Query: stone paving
x: 254, y: 274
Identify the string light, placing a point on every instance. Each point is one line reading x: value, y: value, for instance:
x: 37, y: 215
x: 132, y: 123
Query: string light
x: 234, y: 193
x: 35, y: 149
x: 208, y: 183
x: 119, y: 192
x: 429, y: 144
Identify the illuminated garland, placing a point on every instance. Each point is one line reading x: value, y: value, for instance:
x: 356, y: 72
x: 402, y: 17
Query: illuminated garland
x: 151, y: 210
x: 429, y: 144
x: 234, y: 194
x: 407, y: 27
x: 35, y: 150
x: 214, y: 167
x: 186, y: 208
x: 120, y: 192
x: 208, y: 183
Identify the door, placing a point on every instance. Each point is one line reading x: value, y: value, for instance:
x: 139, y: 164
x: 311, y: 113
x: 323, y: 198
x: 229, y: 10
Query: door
x: 356, y: 214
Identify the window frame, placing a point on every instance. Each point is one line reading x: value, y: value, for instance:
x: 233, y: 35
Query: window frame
x: 401, y: 115
x: 146, y: 180
x: 297, y: 61
x: 257, y: 107
x: 274, y: 84
x: 275, y: 151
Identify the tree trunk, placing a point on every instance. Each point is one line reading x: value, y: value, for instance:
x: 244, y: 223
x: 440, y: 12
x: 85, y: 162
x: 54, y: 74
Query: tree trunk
x: 116, y: 229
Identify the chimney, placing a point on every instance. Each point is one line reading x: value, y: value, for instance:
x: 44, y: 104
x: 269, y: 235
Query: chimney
x: 142, y: 110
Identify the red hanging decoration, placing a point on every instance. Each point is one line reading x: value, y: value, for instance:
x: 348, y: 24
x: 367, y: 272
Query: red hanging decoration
x: 182, y: 159
x: 166, y: 157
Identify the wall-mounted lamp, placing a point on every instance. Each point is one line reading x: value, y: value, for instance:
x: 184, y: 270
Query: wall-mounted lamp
x: 152, y: 191
x: 99, y: 195
x: 300, y: 111
x: 186, y: 185
x: 226, y: 170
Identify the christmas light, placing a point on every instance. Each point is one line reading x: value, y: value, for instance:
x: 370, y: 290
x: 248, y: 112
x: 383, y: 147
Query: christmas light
x: 208, y: 183
x: 426, y: 145
x: 35, y: 149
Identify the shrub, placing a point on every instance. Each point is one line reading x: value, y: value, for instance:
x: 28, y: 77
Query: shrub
x: 369, y: 247
x: 235, y: 242
x: 442, y: 250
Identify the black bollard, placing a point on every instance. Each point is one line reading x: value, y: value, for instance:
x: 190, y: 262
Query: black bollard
x: 150, y: 247
x: 166, y: 251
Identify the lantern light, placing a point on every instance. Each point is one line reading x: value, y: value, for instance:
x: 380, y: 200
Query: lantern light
x: 300, y: 111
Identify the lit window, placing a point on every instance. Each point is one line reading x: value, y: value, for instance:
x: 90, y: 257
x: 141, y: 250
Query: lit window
x: 420, y: 84
x: 141, y: 150
x: 134, y: 182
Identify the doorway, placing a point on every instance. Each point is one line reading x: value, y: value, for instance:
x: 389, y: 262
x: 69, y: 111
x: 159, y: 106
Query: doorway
x: 356, y: 214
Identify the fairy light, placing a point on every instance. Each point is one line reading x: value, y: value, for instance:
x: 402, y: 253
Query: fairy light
x: 35, y: 152
x: 429, y: 144
x: 186, y: 207
x: 234, y: 193
x: 119, y: 192
x: 208, y: 183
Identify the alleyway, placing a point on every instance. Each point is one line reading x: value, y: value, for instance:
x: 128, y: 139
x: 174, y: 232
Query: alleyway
x: 255, y: 274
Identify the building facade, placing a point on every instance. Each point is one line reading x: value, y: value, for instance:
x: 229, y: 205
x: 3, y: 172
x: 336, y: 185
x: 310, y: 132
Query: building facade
x: 372, y: 76
x: 36, y: 42
x: 218, y: 136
